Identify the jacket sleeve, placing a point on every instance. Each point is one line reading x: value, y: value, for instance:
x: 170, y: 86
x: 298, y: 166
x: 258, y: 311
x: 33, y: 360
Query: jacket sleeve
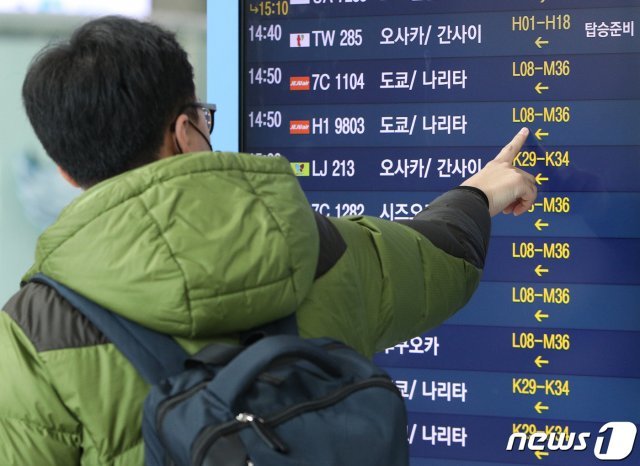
x: 457, y: 222
x: 410, y: 278
x: 35, y: 427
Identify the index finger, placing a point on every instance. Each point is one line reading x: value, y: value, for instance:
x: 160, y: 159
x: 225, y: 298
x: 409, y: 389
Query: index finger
x: 509, y: 152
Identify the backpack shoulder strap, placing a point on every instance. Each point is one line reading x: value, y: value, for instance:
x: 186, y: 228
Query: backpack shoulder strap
x: 155, y: 356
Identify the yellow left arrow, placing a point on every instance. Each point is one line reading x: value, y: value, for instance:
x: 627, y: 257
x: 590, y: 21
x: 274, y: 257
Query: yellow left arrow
x: 541, y: 179
x: 541, y: 87
x: 540, y: 362
x: 539, y: 407
x: 540, y: 224
x: 541, y: 454
x: 541, y: 134
x: 540, y: 42
x: 541, y: 270
x: 540, y: 316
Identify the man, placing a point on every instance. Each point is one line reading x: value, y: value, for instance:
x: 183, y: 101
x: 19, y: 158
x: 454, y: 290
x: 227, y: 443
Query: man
x: 198, y: 246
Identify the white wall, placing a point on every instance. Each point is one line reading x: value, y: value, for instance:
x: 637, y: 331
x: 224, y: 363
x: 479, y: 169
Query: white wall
x: 17, y: 235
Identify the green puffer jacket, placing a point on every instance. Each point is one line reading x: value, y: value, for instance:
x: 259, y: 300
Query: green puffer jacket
x: 197, y: 246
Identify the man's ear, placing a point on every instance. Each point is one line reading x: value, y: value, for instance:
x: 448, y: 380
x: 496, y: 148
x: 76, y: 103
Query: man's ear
x: 68, y: 177
x: 183, y: 135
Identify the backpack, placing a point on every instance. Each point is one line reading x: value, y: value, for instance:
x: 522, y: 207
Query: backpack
x: 275, y: 400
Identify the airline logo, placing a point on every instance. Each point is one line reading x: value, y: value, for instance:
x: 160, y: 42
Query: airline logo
x: 300, y: 127
x: 299, y: 2
x: 301, y: 168
x: 300, y: 39
x: 300, y: 83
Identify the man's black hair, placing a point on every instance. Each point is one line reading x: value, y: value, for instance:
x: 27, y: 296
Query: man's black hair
x: 101, y: 102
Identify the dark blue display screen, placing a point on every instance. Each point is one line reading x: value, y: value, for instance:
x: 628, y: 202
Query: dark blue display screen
x: 381, y: 105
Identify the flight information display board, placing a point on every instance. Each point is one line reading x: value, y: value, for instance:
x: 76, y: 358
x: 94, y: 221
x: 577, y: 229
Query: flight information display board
x: 381, y: 105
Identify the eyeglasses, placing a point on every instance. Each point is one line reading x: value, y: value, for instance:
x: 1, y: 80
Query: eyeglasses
x: 209, y: 111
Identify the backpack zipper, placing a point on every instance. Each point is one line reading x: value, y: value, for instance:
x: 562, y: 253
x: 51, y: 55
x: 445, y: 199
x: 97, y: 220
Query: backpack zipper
x: 267, y: 435
x: 263, y: 428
